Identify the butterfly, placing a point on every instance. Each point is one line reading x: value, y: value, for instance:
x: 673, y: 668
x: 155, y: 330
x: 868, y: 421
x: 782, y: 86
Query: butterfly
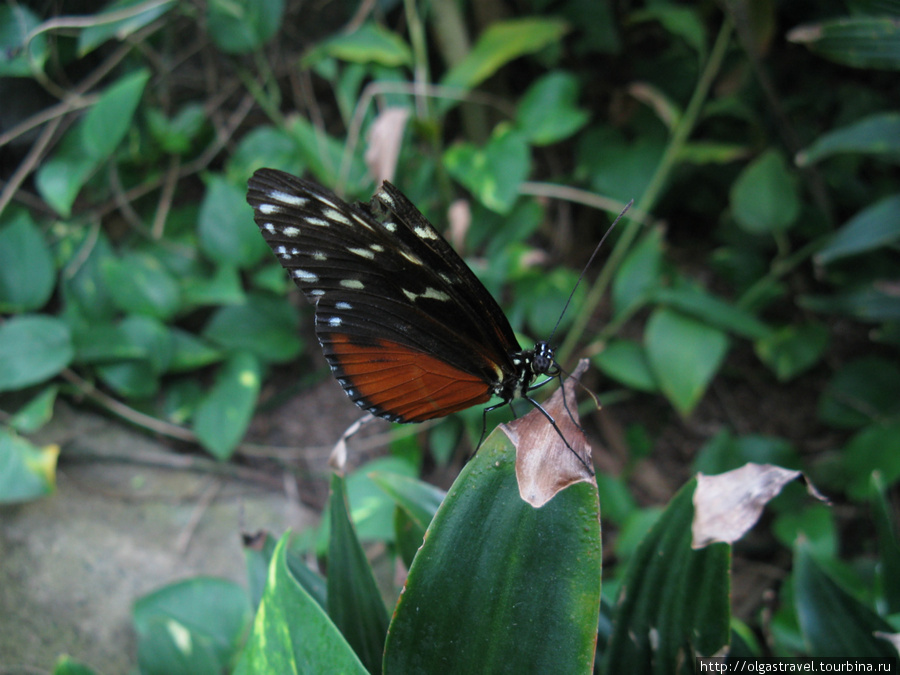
x: 409, y: 331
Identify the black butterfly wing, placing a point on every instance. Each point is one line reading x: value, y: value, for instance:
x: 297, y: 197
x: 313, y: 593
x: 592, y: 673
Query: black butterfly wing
x: 409, y: 331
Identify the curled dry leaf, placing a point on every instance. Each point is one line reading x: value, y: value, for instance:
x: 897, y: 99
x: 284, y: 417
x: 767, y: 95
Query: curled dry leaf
x: 729, y: 504
x: 385, y: 140
x: 544, y: 465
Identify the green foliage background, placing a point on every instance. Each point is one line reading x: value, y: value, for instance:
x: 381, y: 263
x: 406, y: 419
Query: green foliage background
x: 760, y: 143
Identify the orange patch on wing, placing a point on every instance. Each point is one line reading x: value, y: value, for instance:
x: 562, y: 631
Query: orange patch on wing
x: 403, y: 382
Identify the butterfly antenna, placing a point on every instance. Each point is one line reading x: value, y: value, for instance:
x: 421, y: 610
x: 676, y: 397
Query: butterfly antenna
x: 585, y: 269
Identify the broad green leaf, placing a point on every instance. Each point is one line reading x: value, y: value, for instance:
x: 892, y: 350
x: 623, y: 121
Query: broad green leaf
x: 888, y: 539
x: 709, y: 152
x: 877, y: 135
x: 498, y: 585
x: 548, y: 111
x: 864, y: 390
x: 176, y: 135
x: 540, y: 297
x: 103, y: 29
x: 226, y: 229
x: 292, y: 633
x: 263, y: 325
x: 502, y: 42
x: 27, y: 273
x: 618, y: 167
x: 91, y: 143
x: 106, y: 123
x: 683, y: 22
x: 139, y: 378
x: 16, y: 23
x: 68, y: 666
x: 793, y: 350
x: 370, y: 43
x: 83, y: 282
x: 875, y: 448
x: 36, y: 413
x: 639, y: 273
x: 33, y: 348
x: 240, y: 26
x: 684, y: 355
x: 26, y: 471
x: 626, y: 361
x: 875, y: 227
x: 764, y: 197
x: 725, y: 452
x: 354, y: 601
x: 861, y: 42
x: 191, y: 626
x: 264, y: 146
x: 493, y: 174
x: 140, y: 284
x: 222, y: 418
x: 833, y: 622
x: 875, y: 303
x: 190, y: 352
x: 417, y: 498
x: 676, y: 600
x: 222, y: 287
x: 815, y: 523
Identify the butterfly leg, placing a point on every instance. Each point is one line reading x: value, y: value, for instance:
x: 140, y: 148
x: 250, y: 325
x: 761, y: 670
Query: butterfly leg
x: 556, y: 428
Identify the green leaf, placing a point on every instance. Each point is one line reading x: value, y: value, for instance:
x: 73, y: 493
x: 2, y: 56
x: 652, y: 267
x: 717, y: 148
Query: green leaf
x: 26, y: 471
x: 68, y: 666
x: 683, y: 22
x: 354, y: 602
x: 139, y: 378
x: 102, y: 29
x: 36, y: 413
x: 876, y: 135
x: 370, y: 43
x: 292, y: 633
x: 107, y: 122
x: 677, y: 602
x: 888, y: 569
x: 16, y: 23
x: 792, y: 350
x: 548, y: 111
x: 875, y: 303
x: 864, y: 390
x: 190, y: 352
x: 264, y: 146
x: 240, y: 26
x: 764, y: 197
x: 33, y: 348
x: 222, y: 287
x: 815, y: 523
x: 83, y: 282
x: 492, y: 174
x: 27, y: 273
x: 226, y: 229
x: 875, y: 448
x: 723, y: 452
x: 626, y: 361
x: 139, y: 284
x: 222, y: 417
x: 191, y: 626
x: 91, y: 143
x: 877, y: 226
x: 639, y: 273
x: 498, y: 585
x: 832, y: 621
x: 684, y: 355
x: 501, y: 43
x: 618, y: 167
x: 699, y: 304
x: 860, y: 42
x: 176, y: 135
x: 263, y: 325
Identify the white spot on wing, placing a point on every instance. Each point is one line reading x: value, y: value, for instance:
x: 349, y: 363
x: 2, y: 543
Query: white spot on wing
x: 268, y: 209
x: 317, y: 292
x: 378, y: 248
x: 332, y: 214
x: 318, y: 255
x: 362, y: 252
x: 318, y: 222
x: 426, y: 233
x: 304, y: 275
x: 270, y: 228
x: 409, y: 256
x: 343, y: 305
x: 389, y: 226
x: 291, y: 231
x: 355, y: 284
x: 287, y: 198
x: 334, y: 321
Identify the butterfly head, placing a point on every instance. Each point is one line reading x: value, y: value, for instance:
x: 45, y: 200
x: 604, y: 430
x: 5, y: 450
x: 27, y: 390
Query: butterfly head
x: 542, y: 361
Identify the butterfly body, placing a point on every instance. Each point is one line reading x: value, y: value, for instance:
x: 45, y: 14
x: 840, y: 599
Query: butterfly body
x: 409, y: 331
